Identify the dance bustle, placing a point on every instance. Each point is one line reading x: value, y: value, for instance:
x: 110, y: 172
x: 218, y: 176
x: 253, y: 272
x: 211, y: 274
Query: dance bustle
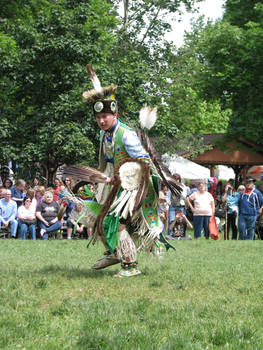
x: 85, y: 173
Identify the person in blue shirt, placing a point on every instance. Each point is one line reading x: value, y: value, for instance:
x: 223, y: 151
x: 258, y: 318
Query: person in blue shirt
x: 231, y: 197
x: 250, y: 206
x: 8, y: 213
x: 18, y: 192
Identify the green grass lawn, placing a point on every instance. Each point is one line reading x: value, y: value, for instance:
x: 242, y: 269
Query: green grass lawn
x: 206, y: 295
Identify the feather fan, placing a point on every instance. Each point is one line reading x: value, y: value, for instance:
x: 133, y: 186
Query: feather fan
x: 85, y: 173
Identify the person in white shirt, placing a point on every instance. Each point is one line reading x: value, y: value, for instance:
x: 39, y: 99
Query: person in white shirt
x: 27, y: 219
x: 203, y: 208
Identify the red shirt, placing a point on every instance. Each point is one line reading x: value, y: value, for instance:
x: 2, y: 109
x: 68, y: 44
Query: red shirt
x: 55, y: 194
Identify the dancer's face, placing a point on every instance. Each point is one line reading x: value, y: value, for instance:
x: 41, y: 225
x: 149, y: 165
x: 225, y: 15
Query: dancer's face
x: 105, y: 120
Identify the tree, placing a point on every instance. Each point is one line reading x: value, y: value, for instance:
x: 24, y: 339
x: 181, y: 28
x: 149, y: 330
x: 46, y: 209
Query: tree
x: 232, y: 51
x: 143, y: 54
x: 48, y: 79
x: 45, y: 75
x: 185, y: 112
x: 9, y: 58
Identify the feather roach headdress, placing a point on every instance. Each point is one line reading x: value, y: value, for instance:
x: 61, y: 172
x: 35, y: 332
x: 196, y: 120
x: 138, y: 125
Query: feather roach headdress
x: 103, y: 98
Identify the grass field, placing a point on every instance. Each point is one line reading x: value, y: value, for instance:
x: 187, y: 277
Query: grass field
x: 206, y: 295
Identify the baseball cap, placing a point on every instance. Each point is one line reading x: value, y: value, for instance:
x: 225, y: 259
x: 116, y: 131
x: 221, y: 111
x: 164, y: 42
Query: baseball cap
x: 249, y: 179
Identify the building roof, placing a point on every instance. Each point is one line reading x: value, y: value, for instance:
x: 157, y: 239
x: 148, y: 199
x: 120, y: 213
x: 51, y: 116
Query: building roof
x: 237, y: 152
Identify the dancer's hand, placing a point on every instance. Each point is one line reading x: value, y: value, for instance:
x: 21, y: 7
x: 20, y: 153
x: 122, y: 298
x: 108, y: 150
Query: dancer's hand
x: 111, y: 180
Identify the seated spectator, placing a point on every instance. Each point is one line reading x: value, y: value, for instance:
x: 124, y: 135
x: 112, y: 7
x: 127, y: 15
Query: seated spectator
x: 56, y: 189
x: 8, y: 212
x: 2, y: 192
x: 47, y: 214
x: 76, y: 212
x: 31, y: 193
x: 40, y: 190
x: 203, y: 209
x: 62, y: 192
x: 18, y: 192
x: 8, y: 183
x: 35, y: 183
x: 176, y: 203
x: 69, y: 183
x: 26, y: 219
x: 179, y: 225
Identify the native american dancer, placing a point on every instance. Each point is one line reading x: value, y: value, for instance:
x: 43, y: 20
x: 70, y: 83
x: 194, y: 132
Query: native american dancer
x: 125, y: 212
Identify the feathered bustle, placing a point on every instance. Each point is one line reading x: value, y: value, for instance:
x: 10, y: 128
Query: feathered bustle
x: 148, y: 117
x: 85, y: 173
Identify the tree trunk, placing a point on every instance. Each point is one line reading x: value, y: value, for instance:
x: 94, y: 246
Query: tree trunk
x: 125, y: 14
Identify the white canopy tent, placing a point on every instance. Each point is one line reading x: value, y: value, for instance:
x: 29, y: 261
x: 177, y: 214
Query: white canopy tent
x: 185, y: 168
x: 223, y: 172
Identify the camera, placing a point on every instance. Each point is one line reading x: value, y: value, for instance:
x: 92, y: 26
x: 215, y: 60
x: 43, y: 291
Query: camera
x: 229, y: 188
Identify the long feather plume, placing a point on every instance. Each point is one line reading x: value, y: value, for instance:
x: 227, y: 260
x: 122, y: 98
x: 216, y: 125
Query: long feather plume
x: 94, y: 79
x: 148, y: 117
x: 85, y: 173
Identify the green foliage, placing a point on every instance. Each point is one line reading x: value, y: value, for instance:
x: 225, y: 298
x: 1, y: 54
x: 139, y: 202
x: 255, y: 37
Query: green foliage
x: 232, y: 52
x: 54, y: 140
x: 147, y: 62
x: 45, y: 47
x: 46, y: 56
x: 14, y: 9
x: 241, y: 12
x: 185, y: 110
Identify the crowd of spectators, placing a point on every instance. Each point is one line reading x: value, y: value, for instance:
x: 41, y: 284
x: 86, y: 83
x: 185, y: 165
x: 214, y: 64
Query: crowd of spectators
x: 240, y: 210
x: 32, y: 210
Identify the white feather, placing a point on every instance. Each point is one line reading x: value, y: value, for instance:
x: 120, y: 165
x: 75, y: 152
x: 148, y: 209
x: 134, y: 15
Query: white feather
x: 148, y: 117
x: 94, y: 79
x: 96, y: 83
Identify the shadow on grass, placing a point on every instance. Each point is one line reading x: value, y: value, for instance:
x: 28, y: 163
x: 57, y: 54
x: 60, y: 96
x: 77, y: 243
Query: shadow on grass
x: 73, y: 272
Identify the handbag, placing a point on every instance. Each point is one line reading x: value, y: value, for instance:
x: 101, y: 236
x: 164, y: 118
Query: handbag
x: 213, y: 230
x: 220, y: 213
x: 28, y: 222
